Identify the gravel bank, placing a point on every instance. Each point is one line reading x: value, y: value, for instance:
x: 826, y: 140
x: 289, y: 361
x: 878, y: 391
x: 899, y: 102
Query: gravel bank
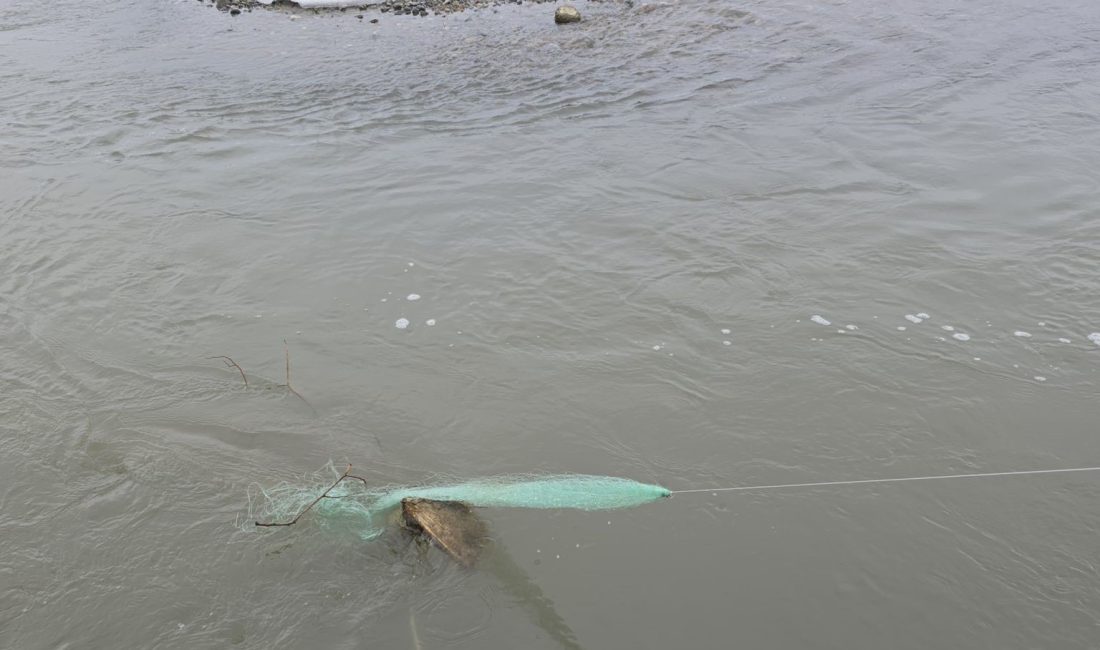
x: 393, y: 7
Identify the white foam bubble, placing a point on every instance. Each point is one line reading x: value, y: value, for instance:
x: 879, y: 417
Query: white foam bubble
x: 1023, y: 335
x: 412, y: 263
x: 1064, y: 340
x: 413, y: 296
x: 948, y: 328
x: 430, y: 322
x: 727, y: 342
x: 912, y: 318
x: 961, y: 336
x: 1040, y: 378
x: 1042, y: 323
x: 901, y: 328
x: 923, y: 316
x: 401, y: 323
x: 656, y: 347
x: 725, y: 330
x: 819, y: 320
x: 851, y: 327
x: 1095, y: 337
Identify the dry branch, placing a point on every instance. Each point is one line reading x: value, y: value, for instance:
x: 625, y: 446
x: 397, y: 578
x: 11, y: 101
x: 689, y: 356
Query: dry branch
x: 324, y: 495
x: 230, y: 363
x: 286, y: 350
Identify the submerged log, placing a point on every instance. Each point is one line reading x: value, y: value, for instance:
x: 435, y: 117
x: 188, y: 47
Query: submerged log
x: 452, y: 525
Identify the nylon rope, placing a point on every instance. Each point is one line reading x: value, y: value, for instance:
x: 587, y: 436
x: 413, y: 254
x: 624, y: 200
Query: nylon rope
x: 903, y: 479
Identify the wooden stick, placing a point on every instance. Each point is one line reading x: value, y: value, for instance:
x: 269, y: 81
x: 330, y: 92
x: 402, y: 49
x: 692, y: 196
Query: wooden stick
x: 286, y: 349
x: 324, y: 495
x: 230, y: 363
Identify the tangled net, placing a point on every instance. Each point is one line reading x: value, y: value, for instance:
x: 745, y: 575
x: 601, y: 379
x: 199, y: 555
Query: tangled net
x: 352, y: 503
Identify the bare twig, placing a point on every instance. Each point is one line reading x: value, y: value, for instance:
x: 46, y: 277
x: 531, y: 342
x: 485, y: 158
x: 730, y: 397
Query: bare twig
x: 286, y: 349
x: 230, y: 363
x: 324, y: 495
x: 412, y: 628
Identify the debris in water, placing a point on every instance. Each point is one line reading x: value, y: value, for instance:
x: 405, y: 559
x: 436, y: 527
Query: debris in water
x: 452, y: 525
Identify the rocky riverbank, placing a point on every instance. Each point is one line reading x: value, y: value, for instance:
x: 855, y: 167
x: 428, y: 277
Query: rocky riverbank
x: 392, y: 7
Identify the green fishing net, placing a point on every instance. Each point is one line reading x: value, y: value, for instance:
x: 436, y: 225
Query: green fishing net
x: 367, y: 509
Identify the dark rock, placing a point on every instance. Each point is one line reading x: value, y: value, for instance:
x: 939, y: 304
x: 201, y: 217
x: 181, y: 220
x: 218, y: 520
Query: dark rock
x: 234, y: 12
x: 452, y: 525
x: 374, y: 20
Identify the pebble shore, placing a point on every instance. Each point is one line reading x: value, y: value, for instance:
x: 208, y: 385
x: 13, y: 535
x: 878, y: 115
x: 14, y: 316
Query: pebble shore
x: 391, y: 7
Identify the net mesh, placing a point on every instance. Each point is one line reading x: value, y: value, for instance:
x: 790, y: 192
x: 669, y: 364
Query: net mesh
x: 367, y: 509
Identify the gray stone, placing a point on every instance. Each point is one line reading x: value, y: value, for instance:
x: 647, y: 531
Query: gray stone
x: 567, y: 14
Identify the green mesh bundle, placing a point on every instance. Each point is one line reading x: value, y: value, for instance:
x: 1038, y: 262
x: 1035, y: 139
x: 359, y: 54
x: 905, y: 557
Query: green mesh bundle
x: 365, y: 509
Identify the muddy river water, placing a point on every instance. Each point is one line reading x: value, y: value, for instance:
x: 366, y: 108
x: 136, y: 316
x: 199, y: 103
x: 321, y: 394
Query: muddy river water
x: 699, y: 244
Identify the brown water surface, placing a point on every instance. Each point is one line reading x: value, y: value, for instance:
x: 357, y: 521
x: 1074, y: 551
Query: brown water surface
x: 620, y: 233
